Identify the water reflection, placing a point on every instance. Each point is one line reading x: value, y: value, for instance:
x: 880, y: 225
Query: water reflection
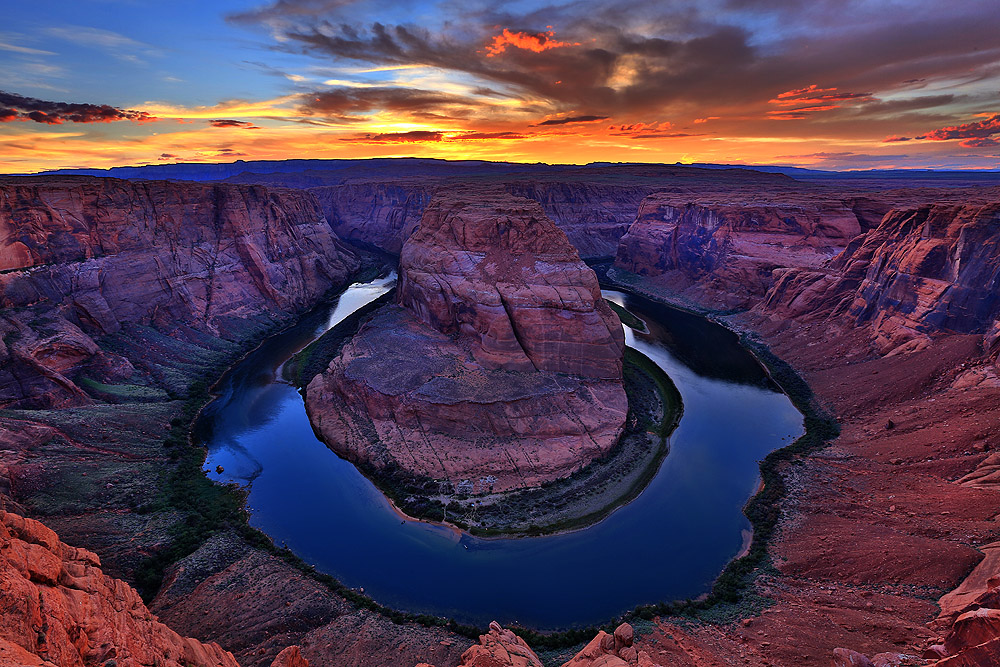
x: 668, y: 543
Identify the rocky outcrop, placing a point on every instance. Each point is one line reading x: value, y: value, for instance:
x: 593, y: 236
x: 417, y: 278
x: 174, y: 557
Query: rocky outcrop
x: 726, y: 246
x: 614, y: 650
x: 502, y: 363
x: 58, y: 608
x: 290, y: 657
x: 81, y: 258
x: 922, y: 271
x: 500, y: 648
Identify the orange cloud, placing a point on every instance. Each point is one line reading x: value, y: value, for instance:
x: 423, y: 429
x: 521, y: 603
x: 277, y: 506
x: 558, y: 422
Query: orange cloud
x: 537, y: 42
x: 808, y: 90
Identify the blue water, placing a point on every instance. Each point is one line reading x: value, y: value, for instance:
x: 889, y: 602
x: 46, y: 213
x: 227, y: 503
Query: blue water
x: 669, y: 543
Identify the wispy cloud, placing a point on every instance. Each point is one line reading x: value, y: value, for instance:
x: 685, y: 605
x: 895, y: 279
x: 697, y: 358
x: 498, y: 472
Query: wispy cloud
x: 113, y: 43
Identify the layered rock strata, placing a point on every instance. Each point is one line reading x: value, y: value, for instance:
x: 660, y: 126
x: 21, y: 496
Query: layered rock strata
x: 726, y: 246
x: 501, y: 363
x: 82, y: 258
x: 922, y: 271
x: 594, y: 215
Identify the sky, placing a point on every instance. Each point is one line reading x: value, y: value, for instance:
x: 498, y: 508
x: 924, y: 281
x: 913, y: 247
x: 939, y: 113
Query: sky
x: 828, y: 84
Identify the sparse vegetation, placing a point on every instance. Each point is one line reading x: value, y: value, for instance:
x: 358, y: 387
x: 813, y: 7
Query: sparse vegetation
x: 627, y: 317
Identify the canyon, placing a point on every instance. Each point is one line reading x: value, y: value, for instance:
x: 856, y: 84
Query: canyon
x: 117, y: 296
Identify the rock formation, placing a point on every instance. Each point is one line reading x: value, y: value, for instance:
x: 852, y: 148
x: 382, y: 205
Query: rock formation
x: 921, y: 271
x: 81, y: 258
x: 290, y: 657
x: 614, y: 650
x: 502, y: 648
x: 58, y: 608
x: 501, y: 361
x: 383, y: 214
x: 726, y: 245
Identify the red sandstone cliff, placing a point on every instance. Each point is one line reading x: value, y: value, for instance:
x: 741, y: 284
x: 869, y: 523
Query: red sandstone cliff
x: 58, y: 608
x: 503, y: 360
x: 82, y: 257
x: 383, y: 214
x: 726, y: 245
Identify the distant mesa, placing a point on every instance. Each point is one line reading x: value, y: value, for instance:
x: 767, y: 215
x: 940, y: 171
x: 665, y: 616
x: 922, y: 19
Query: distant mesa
x: 499, y: 365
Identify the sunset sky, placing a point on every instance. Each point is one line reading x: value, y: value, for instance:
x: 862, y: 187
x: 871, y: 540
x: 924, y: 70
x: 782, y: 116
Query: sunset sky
x: 830, y: 84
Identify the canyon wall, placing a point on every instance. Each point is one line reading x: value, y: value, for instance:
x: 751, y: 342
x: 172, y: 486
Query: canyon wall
x: 922, y: 271
x: 501, y: 361
x: 81, y: 258
x: 726, y: 246
x: 594, y: 215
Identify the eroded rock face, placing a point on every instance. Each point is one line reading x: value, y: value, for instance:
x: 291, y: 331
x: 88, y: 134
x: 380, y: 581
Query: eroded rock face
x: 921, y: 271
x: 58, y: 608
x: 501, y: 362
x: 494, y: 268
x: 82, y: 257
x: 729, y: 245
x: 500, y: 648
x: 383, y: 214
x: 614, y: 650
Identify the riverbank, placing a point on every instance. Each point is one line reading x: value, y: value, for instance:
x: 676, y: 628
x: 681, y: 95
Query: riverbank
x: 733, y: 595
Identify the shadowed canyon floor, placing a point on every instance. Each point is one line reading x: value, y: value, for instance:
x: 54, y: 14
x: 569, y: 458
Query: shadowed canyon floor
x: 891, y: 320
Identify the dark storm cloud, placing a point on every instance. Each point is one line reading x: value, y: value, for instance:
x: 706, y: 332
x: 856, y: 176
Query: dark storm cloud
x: 615, y: 60
x: 233, y: 123
x: 18, y: 107
x: 570, y: 119
x: 345, y: 103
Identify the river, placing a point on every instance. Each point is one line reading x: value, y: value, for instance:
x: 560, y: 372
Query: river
x: 669, y: 543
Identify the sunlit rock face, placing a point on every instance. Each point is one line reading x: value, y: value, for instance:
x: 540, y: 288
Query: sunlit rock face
x: 58, y: 608
x: 500, y: 362
x: 922, y: 271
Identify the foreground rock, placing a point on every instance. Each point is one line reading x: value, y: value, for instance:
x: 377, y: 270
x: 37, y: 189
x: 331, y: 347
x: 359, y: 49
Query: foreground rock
x: 614, y: 650
x: 82, y: 259
x: 502, y: 363
x: 58, y: 608
x: 502, y: 648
